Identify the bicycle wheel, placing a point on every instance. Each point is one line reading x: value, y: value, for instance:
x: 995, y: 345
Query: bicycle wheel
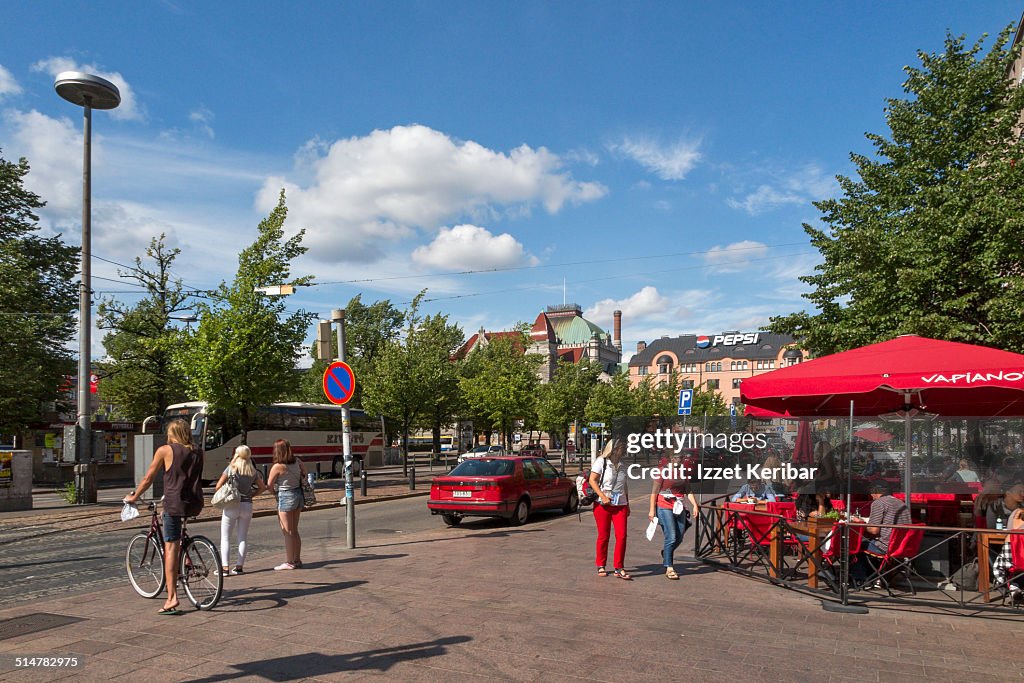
x: 200, y: 572
x: 144, y: 561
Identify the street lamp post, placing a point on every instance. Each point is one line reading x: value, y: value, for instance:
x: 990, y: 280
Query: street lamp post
x: 89, y: 92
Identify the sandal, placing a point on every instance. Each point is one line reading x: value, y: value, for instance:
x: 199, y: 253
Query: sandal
x: 670, y: 572
x: 601, y: 571
x: 622, y: 574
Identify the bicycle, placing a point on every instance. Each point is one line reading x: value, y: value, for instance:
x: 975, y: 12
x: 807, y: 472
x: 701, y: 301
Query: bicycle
x: 200, y: 571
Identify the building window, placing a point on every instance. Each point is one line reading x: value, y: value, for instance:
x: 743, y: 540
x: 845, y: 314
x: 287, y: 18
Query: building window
x: 687, y: 384
x: 642, y: 370
x: 713, y: 383
x: 733, y: 365
x: 736, y: 383
x: 718, y: 367
x: 664, y: 365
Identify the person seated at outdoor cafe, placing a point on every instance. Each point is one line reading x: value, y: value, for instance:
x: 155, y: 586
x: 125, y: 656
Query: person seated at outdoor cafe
x: 871, y: 468
x: 1001, y: 567
x: 949, y: 468
x: 965, y: 474
x: 1004, y: 506
x: 756, y: 489
x: 812, y: 503
x: 885, y: 509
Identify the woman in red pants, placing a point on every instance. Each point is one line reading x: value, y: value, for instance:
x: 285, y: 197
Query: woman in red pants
x: 608, y: 479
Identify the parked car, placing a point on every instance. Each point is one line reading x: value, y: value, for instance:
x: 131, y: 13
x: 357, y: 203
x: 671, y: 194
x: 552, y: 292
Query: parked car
x: 510, y: 487
x: 482, y: 451
x: 535, y: 450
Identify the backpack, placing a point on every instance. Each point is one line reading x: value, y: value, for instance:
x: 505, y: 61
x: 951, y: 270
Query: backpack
x: 584, y: 491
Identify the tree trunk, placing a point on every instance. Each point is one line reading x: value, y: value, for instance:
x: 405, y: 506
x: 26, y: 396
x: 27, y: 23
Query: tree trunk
x: 405, y: 446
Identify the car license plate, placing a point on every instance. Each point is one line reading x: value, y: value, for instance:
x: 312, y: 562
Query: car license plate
x: 462, y: 494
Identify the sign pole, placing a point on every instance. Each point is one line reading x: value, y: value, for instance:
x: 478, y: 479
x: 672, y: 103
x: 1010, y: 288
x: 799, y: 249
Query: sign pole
x: 338, y: 315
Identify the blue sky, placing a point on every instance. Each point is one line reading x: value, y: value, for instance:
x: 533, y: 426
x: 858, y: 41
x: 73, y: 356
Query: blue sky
x: 658, y: 158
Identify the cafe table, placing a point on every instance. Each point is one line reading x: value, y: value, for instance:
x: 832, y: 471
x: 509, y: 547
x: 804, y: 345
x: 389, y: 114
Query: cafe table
x: 816, y: 532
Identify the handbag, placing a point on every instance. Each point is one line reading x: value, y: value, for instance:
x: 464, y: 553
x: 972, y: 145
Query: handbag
x: 308, y: 495
x: 227, y: 495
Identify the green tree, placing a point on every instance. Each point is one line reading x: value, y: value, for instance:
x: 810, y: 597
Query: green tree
x: 564, y: 399
x: 610, y: 400
x: 927, y: 239
x: 504, y: 385
x: 139, y: 377
x: 434, y: 344
x: 37, y: 305
x: 707, y: 402
x: 244, y: 352
x: 368, y: 328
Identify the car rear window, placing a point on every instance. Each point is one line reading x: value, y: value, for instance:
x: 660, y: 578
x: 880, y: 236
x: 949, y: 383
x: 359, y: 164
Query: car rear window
x: 484, y: 468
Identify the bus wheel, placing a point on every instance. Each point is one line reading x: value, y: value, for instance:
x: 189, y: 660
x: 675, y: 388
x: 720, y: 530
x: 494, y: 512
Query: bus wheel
x: 338, y: 467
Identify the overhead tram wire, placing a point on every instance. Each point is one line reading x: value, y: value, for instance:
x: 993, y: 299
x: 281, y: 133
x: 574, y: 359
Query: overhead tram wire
x: 598, y: 279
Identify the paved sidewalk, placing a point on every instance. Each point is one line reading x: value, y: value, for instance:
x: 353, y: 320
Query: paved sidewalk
x: 489, y: 602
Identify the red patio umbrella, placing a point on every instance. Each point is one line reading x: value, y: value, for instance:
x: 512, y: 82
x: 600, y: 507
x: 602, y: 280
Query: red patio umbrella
x: 909, y: 372
x: 803, y: 448
x: 873, y: 434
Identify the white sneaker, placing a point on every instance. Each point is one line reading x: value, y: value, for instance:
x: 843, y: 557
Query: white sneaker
x: 284, y: 566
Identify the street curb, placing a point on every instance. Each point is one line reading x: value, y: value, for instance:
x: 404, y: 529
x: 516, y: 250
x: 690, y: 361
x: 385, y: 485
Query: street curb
x: 337, y: 504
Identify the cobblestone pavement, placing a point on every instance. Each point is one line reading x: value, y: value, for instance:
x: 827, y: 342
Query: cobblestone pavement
x: 489, y: 602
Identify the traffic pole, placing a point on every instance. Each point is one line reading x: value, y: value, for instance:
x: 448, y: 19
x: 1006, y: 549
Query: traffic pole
x: 338, y: 315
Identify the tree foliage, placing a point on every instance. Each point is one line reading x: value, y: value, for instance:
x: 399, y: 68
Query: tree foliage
x: 564, y: 399
x: 368, y: 329
x: 244, y: 351
x: 139, y: 377
x: 609, y: 400
x: 502, y: 386
x: 927, y: 238
x: 37, y: 304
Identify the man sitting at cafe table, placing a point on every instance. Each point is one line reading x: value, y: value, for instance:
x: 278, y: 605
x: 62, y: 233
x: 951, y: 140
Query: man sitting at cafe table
x: 885, y: 510
x: 755, y: 488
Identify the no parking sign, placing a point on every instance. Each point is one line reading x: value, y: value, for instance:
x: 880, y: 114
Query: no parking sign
x: 339, y: 382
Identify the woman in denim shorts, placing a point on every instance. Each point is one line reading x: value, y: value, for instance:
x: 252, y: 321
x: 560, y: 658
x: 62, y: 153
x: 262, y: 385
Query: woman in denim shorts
x: 285, y: 479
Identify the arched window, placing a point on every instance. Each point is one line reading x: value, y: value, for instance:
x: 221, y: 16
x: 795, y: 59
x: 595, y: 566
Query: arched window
x: 664, y: 365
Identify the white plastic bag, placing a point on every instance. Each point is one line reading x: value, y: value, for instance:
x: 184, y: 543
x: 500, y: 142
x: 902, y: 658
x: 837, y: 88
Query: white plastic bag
x: 678, y: 507
x: 129, y: 512
x: 652, y: 528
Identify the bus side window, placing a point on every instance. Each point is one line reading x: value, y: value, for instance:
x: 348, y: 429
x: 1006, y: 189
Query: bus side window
x: 214, y: 438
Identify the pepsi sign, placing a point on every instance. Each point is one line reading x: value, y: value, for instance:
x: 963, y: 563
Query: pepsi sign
x: 736, y: 339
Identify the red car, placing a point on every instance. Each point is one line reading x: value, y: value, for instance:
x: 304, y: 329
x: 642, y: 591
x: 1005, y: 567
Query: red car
x: 535, y: 450
x: 510, y: 487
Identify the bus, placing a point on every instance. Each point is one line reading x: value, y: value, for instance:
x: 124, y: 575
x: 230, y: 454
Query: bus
x: 425, y: 444
x: 313, y: 430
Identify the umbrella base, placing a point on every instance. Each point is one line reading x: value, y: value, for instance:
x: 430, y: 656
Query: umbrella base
x: 840, y: 608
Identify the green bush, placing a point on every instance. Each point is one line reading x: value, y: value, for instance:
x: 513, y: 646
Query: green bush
x: 69, y: 493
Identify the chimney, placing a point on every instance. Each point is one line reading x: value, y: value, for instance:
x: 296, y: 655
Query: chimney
x: 640, y: 346
x: 617, y: 330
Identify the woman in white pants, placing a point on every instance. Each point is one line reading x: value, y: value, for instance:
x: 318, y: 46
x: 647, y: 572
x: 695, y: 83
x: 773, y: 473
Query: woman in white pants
x: 236, y: 518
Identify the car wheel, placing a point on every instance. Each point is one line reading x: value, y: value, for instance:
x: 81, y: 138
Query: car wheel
x: 521, y: 513
x: 573, y: 504
x: 451, y: 518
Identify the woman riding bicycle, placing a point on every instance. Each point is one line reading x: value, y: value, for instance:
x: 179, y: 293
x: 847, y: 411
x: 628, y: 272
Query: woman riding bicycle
x: 182, y: 465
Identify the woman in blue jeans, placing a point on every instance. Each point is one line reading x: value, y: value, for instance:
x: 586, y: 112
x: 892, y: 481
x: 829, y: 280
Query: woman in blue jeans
x: 671, y: 489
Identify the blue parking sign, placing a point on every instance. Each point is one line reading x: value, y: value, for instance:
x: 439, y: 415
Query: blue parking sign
x: 685, y: 401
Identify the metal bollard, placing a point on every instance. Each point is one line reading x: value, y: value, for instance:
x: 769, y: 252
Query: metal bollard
x: 318, y: 470
x: 265, y: 470
x: 412, y: 479
x: 362, y: 482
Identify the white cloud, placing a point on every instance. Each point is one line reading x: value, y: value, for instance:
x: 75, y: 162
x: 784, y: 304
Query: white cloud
x: 8, y: 84
x: 128, y: 110
x: 373, y: 190
x: 646, y: 303
x: 54, y: 151
x: 202, y: 118
x: 669, y: 162
x: 802, y: 186
x: 472, y: 247
x: 734, y: 257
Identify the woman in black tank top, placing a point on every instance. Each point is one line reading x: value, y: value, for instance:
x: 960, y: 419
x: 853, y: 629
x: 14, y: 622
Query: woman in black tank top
x: 182, y: 466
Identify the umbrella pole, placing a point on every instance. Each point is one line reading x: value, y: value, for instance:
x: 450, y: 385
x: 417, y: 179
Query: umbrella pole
x: 906, y: 436
x: 844, y: 582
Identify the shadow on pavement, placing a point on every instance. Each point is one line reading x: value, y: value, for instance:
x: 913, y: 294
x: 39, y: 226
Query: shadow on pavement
x: 355, y: 558
x: 317, y: 664
x: 684, y: 568
x: 250, y: 599
x: 18, y: 565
